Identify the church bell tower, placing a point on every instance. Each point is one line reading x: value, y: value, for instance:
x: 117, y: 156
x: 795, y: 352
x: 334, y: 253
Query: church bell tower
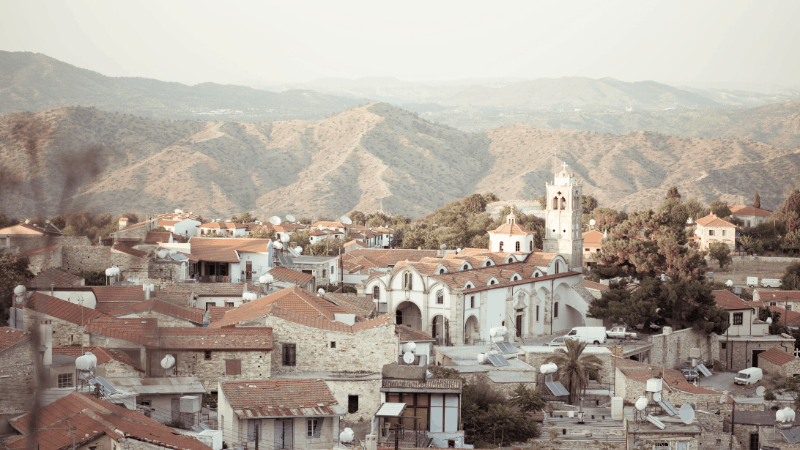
x: 564, y: 214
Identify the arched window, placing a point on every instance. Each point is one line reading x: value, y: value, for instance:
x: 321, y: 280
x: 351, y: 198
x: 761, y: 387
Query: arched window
x: 440, y: 297
x: 536, y: 274
x: 398, y: 317
x: 557, y: 268
x: 408, y: 280
x: 555, y: 202
x: 488, y: 263
x: 501, y: 246
x: 563, y: 203
x: 531, y: 246
x: 492, y: 281
x: 514, y: 278
x: 441, y: 271
x: 376, y: 293
x: 555, y: 309
x: 517, y: 246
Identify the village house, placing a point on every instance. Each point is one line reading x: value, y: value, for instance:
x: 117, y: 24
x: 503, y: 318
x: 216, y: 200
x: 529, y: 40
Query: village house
x: 222, y: 229
x: 750, y: 215
x: 359, y: 263
x: 279, y: 414
x: 160, y: 397
x: 591, y: 245
x: 229, y: 260
x: 207, y: 295
x: 789, y: 300
x: 316, y: 236
x: 711, y: 229
x: 182, y: 224
x: 66, y: 318
x: 323, y: 268
x: 17, y: 354
x: 779, y: 363
x: 130, y: 234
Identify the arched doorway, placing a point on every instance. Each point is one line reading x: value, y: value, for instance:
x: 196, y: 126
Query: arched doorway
x: 408, y: 313
x: 472, y: 331
x: 440, y: 330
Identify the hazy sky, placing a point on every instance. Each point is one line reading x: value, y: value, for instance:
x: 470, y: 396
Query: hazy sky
x: 226, y: 42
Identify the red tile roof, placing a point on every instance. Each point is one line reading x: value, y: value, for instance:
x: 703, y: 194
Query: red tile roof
x: 40, y: 250
x: 329, y: 224
x: 408, y: 334
x: 140, y: 331
x: 224, y: 249
x: 62, y: 309
x: 776, y: 356
x: 362, y: 306
x: 216, y: 313
x: 787, y: 317
x: 110, y: 298
x: 287, y: 275
x: 11, y: 336
x: 775, y: 295
x: 511, y: 227
x: 280, y: 398
x: 55, y: 276
x: 157, y: 237
x: 103, y: 355
x: 292, y: 298
x: 712, y: 220
x: 592, y: 238
x: 727, y: 300
x: 22, y: 229
x: 136, y: 225
x: 163, y: 307
x: 592, y: 285
x: 207, y: 289
x: 741, y: 210
x: 130, y: 251
x: 94, y: 417
x: 354, y: 242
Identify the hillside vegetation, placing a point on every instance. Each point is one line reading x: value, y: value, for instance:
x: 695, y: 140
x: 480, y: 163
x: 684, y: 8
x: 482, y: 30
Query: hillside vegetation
x: 370, y: 158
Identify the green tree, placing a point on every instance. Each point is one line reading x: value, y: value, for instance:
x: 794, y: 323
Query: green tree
x: 244, y: 217
x: 528, y: 399
x: 790, y: 387
x: 694, y: 208
x: 791, y: 242
x: 672, y: 192
x: 92, y: 277
x: 301, y: 238
x: 751, y: 245
x: 757, y: 200
x: 358, y: 217
x: 619, y: 306
x: 6, y: 221
x: 262, y: 233
x: 789, y: 212
x: 487, y: 417
x: 589, y: 203
x: 791, y: 277
x: 575, y: 369
x: 722, y: 253
x: 720, y: 208
x: 474, y: 204
x: 542, y: 201
x: 13, y: 272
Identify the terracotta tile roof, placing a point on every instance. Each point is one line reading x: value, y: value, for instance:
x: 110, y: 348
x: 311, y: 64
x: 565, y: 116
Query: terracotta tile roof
x: 776, y: 356
x: 519, y: 282
x: 511, y: 229
x: 168, y: 223
x: 207, y: 289
x: 407, y: 334
x: 741, y: 210
x: 11, y: 336
x: 712, y: 220
x: 37, y: 251
x: 330, y: 224
x: 727, y: 300
x: 61, y: 309
x: 280, y: 398
x: 773, y: 295
x: 21, y: 229
x: 292, y: 298
x: 362, y: 306
x: 94, y: 417
x: 224, y: 249
x: 128, y: 250
x: 163, y: 307
x: 157, y: 237
x: 592, y: 285
x: 54, y: 276
x: 110, y: 298
x: 787, y: 317
x: 482, y: 275
x: 592, y: 238
x: 176, y: 298
x: 287, y: 275
x: 103, y: 355
x: 136, y: 225
x: 216, y: 313
x: 363, y: 259
x: 354, y: 242
x: 147, y: 332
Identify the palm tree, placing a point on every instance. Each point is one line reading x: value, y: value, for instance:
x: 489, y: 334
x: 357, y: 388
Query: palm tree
x: 574, y: 369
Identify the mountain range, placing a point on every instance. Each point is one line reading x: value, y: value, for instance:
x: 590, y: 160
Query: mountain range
x: 375, y: 157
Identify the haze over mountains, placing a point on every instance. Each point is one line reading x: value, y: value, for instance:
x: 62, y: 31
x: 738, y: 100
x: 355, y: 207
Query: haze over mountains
x: 134, y: 154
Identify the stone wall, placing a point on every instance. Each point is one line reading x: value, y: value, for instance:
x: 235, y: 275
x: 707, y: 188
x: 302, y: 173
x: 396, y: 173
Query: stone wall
x: 17, y: 377
x: 741, y: 352
x: 21, y: 244
x: 138, y: 232
x: 40, y: 262
x: 116, y: 369
x: 75, y: 259
x: 64, y: 333
x: 135, y: 351
x: 589, y: 444
x: 255, y: 365
x: 365, y: 351
x: 368, y: 392
x: 672, y: 350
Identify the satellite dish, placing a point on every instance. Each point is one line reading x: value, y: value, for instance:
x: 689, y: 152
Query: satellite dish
x: 249, y: 296
x: 656, y: 396
x: 408, y: 358
x: 760, y: 391
x: 285, y: 237
x: 443, y: 246
x: 298, y: 249
x: 346, y: 220
x: 458, y: 250
x: 729, y: 283
x: 278, y: 245
x: 641, y: 403
x: 275, y: 220
x: 168, y: 362
x: 347, y: 435
x: 19, y: 290
x: 266, y: 278
x: 409, y: 347
x: 290, y: 218
x: 769, y: 320
x: 320, y: 291
x: 592, y: 222
x: 687, y: 414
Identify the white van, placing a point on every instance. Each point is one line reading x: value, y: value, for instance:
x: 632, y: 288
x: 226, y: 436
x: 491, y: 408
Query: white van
x: 770, y: 282
x: 749, y: 376
x: 591, y: 335
x: 752, y: 281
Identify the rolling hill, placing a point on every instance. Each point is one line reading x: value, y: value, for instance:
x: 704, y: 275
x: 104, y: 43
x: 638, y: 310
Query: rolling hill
x: 370, y: 158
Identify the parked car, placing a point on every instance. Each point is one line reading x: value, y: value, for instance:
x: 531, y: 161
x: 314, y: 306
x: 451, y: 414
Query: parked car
x: 747, y: 376
x: 557, y: 342
x: 770, y: 283
x: 621, y: 333
x: 590, y: 335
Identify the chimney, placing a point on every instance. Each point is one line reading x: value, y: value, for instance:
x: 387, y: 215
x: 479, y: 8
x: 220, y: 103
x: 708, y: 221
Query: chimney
x: 666, y: 330
x: 123, y: 222
x: 147, y: 289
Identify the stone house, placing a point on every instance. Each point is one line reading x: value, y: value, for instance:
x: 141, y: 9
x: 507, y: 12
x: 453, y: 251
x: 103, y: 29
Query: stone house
x: 206, y: 295
x: 135, y: 233
x: 742, y: 318
x: 16, y: 372
x: 44, y: 258
x: 160, y: 397
x: 278, y: 414
x: 756, y: 429
x: 750, y: 215
x: 711, y: 229
x: 213, y: 354
x: 99, y: 425
x: 67, y: 319
x: 222, y: 229
x: 324, y: 268
x: 168, y: 314
x: 779, y: 363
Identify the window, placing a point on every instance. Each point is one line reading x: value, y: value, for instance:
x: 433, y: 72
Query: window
x: 324, y: 273
x: 441, y: 271
x: 233, y: 367
x: 555, y: 309
x: 537, y: 313
x: 471, y: 301
x: 230, y: 304
x: 376, y: 293
x: 398, y: 317
x: 207, y: 355
x: 737, y: 318
x: 289, y: 354
x: 517, y: 246
x: 586, y: 250
x: 314, y: 427
x: 710, y: 232
x: 514, y: 278
x: 492, y: 282
x: 333, y: 270
x: 440, y: 297
x: 352, y: 404
x: 333, y: 344
x: 723, y: 345
x: 64, y: 380
x: 531, y: 246
x: 408, y: 280
x: 723, y: 232
x: 788, y: 306
x: 557, y: 268
x: 501, y: 246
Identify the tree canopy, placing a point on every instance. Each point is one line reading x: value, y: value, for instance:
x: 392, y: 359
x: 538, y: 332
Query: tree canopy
x: 13, y: 272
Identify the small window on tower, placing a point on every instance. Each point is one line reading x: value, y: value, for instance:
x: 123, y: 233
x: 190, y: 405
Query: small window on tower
x: 501, y: 246
x: 517, y: 246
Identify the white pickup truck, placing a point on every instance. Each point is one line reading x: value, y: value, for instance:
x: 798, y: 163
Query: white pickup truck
x: 621, y: 333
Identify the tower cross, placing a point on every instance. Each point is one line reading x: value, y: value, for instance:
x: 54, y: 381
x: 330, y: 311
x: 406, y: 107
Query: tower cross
x: 565, y: 165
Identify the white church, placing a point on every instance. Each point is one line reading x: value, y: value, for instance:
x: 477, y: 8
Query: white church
x: 459, y: 298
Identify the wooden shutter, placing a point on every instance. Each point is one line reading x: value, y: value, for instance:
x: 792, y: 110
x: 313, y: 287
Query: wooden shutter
x: 233, y: 367
x: 318, y: 428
